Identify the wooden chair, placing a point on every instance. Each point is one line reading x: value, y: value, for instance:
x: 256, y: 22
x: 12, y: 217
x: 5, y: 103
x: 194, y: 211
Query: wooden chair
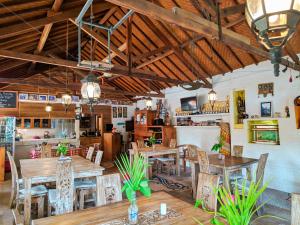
x: 38, y: 193
x: 62, y: 198
x: 90, y: 153
x: 87, y: 187
x: 238, y: 150
x: 110, y: 191
x: 207, y: 183
x: 168, y: 162
x: 135, y: 148
x: 140, y: 143
x: 203, y: 161
x: 295, y: 209
x: 18, y: 218
x: 46, y: 151
x: 190, y: 151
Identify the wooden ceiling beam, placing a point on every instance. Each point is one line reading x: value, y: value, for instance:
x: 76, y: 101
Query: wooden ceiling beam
x: 22, y: 6
x: 9, y: 31
x: 151, y: 53
x: 240, y: 8
x: 291, y: 53
x: 116, y: 69
x: 197, y: 24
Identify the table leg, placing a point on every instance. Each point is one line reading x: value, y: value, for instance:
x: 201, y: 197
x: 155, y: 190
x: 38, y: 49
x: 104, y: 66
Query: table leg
x: 27, y: 201
x: 249, y: 173
x: 226, y: 179
x: 178, y: 163
x: 98, y: 184
x: 195, y: 169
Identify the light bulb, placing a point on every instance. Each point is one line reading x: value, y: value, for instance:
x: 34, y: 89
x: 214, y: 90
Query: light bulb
x: 48, y: 108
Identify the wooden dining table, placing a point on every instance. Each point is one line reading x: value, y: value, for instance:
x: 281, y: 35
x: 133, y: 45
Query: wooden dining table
x: 37, y: 171
x: 228, y: 165
x: 157, y: 151
x: 178, y: 212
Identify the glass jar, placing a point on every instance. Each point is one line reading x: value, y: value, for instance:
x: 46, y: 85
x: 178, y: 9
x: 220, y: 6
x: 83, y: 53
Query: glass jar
x: 133, y: 210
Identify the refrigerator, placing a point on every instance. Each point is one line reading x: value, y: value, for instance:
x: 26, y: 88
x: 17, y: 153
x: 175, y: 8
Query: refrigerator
x: 7, y: 137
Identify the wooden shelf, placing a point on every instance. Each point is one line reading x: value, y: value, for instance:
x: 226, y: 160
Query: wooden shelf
x: 199, y: 126
x: 204, y: 115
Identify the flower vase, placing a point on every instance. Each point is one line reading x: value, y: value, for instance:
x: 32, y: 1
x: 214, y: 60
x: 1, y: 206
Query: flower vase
x: 133, y: 210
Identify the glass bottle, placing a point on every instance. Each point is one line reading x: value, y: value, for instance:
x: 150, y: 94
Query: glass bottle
x: 133, y: 210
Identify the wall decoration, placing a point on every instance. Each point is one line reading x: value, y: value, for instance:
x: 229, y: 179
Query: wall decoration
x: 52, y: 98
x: 120, y: 113
x: 23, y: 96
x: 43, y: 98
x: 33, y: 97
x: 226, y: 137
x: 265, y: 89
x: 239, y: 108
x: 266, y: 109
x: 8, y: 100
x: 124, y: 112
x: 75, y: 98
x: 114, y: 112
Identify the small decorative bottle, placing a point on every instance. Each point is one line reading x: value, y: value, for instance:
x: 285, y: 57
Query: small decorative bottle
x: 133, y: 210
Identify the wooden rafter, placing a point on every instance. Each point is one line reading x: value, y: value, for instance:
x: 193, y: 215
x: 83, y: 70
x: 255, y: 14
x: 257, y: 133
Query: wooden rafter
x: 197, y: 24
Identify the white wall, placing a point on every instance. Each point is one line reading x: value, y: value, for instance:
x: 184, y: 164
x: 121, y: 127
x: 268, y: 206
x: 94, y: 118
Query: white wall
x: 115, y: 121
x: 284, y: 160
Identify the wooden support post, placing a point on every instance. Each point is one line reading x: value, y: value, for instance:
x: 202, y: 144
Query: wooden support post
x: 129, y: 43
x: 2, y: 164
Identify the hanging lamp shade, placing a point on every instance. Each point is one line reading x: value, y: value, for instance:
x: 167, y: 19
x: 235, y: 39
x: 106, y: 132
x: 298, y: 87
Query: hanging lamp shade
x: 274, y: 22
x: 66, y: 100
x: 90, y: 89
x: 48, y: 108
x: 148, y: 102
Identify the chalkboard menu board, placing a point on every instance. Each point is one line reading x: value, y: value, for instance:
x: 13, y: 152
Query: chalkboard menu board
x: 8, y: 100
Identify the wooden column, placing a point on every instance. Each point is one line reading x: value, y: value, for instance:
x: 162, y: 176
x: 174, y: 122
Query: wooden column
x: 129, y: 43
x: 2, y: 164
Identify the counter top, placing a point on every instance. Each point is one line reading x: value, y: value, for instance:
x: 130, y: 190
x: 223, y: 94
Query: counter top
x: 48, y: 140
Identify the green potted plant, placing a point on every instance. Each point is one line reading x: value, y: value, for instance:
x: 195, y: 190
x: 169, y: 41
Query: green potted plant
x: 238, y: 208
x: 134, y: 181
x: 62, y: 149
x: 152, y: 141
x: 218, y: 146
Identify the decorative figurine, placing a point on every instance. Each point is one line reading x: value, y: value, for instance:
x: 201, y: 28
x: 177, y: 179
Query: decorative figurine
x: 287, y: 112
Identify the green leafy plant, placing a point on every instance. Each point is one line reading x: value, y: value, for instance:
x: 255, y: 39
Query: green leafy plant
x: 238, y: 208
x: 152, y: 140
x: 218, y: 146
x: 133, y: 175
x: 62, y: 149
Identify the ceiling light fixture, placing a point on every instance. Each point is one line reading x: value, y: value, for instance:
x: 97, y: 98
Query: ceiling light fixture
x: 274, y: 22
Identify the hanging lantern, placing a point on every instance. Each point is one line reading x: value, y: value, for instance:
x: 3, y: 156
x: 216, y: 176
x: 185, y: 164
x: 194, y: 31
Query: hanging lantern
x: 212, y: 97
x: 48, y: 108
x: 66, y: 100
x: 90, y: 89
x: 274, y: 22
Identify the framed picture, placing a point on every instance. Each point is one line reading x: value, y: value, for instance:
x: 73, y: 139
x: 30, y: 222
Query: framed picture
x: 266, y: 109
x: 124, y: 112
x: 52, y: 98
x: 33, y: 97
x: 75, y: 98
x: 23, y: 96
x: 43, y: 98
x: 114, y: 112
x: 120, y: 112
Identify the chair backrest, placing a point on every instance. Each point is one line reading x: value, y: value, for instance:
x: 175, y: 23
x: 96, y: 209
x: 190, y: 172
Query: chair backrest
x: 14, y: 180
x: 64, y: 186
x: 140, y: 143
x: 98, y: 157
x: 203, y: 161
x: 295, y: 209
x: 207, y: 183
x: 238, y: 150
x: 192, y: 151
x: 135, y: 148
x: 89, y: 154
x: 260, y: 171
x: 97, y: 146
x: 46, y: 151
x: 173, y: 143
x: 110, y: 190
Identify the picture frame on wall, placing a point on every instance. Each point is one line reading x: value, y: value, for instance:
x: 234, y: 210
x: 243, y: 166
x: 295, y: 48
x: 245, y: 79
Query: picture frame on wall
x: 120, y: 112
x: 23, y: 96
x: 124, y: 112
x: 43, y: 98
x: 266, y: 109
x: 33, y: 97
x: 114, y: 112
x: 52, y: 98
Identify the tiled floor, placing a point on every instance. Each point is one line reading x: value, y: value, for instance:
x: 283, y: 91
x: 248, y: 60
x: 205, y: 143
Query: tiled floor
x: 6, y: 216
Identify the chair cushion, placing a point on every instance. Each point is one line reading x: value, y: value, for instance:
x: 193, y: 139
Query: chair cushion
x: 85, y: 184
x: 35, y: 191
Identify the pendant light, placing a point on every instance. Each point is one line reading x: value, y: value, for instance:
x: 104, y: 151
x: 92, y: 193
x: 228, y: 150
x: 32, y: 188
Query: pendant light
x: 48, y: 107
x: 90, y: 88
x: 274, y: 22
x: 66, y: 98
x: 212, y: 95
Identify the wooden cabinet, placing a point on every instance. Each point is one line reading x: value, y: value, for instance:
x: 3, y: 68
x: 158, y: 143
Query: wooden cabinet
x: 29, y: 122
x: 169, y: 132
x: 112, y: 146
x: 87, y: 141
